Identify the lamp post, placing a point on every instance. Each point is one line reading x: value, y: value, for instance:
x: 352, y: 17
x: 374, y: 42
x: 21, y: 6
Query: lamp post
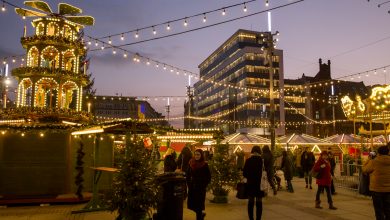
x: 269, y: 40
x: 333, y: 101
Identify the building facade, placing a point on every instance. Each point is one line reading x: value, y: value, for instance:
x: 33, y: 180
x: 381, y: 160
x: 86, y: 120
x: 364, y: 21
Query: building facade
x: 119, y: 107
x: 239, y: 96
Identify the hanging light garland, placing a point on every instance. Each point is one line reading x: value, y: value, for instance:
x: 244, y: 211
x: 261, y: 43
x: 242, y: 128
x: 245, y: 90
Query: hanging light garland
x: 167, y: 24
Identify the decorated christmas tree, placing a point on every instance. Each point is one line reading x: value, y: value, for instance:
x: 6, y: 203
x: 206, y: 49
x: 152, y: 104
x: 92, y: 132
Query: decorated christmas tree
x: 134, y: 187
x: 224, y: 172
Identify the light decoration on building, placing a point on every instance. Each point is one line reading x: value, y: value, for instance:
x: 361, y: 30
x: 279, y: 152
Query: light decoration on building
x: 376, y: 107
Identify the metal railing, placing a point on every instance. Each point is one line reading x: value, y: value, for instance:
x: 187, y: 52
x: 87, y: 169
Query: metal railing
x: 349, y: 175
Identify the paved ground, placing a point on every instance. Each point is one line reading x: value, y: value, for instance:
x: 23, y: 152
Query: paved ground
x: 298, y: 205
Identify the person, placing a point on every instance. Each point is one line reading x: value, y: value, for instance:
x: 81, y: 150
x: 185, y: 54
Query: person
x: 170, y: 160
x: 198, y: 177
x: 298, y: 165
x: 379, y: 170
x: 324, y: 181
x: 184, y: 159
x: 332, y: 162
x: 287, y: 167
x: 252, y: 172
x: 269, y: 167
x: 307, y: 163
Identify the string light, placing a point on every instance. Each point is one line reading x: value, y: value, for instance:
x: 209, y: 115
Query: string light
x: 185, y: 22
x: 223, y: 12
x: 122, y: 37
x: 154, y: 31
x: 266, y: 3
x: 168, y: 27
x: 114, y: 51
x: 245, y: 9
x: 96, y: 44
x: 136, y: 34
x: 204, y: 18
x: 125, y: 55
x: 3, y: 7
x: 109, y: 40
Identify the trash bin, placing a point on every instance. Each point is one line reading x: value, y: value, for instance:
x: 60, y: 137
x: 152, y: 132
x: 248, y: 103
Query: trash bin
x: 170, y: 205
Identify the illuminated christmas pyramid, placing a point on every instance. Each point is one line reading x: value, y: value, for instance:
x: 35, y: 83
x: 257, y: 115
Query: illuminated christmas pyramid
x: 54, y: 76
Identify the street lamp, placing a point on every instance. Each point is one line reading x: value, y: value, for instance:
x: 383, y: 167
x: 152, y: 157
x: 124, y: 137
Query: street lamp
x: 7, y: 82
x: 269, y: 39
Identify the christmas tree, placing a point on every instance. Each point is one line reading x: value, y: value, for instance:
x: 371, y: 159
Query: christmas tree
x: 224, y: 172
x: 134, y: 187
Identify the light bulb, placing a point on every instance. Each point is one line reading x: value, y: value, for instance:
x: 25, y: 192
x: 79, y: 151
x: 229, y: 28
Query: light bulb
x: 204, y: 18
x: 102, y: 47
x: 3, y: 7
x: 109, y: 40
x: 168, y: 27
x: 223, y: 12
x: 89, y: 43
x: 122, y: 37
x: 125, y: 55
x: 185, y: 23
x: 136, y: 34
x: 154, y: 31
x: 245, y: 9
x: 266, y: 3
x: 96, y: 44
x: 24, y: 17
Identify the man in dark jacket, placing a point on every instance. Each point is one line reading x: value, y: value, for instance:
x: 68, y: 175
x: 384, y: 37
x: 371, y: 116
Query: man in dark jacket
x: 307, y: 163
x: 332, y: 162
x: 269, y: 166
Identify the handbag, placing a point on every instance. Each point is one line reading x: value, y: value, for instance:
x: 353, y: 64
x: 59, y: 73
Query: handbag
x: 364, y: 184
x: 315, y: 174
x: 241, y: 191
x: 264, y: 185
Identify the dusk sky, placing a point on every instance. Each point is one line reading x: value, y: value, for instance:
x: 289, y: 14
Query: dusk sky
x: 353, y: 34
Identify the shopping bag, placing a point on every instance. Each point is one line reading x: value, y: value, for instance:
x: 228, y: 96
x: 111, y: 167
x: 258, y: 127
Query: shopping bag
x: 264, y: 185
x: 241, y: 191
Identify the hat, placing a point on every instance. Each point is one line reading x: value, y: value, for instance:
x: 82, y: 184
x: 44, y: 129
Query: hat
x: 324, y: 153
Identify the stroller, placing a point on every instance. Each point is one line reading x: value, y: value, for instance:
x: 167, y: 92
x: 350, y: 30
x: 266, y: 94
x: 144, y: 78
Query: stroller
x: 279, y: 179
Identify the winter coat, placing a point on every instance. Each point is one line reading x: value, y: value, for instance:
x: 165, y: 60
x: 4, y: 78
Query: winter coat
x: 307, y: 161
x: 252, y: 172
x: 268, y: 162
x: 287, y: 167
x: 325, y: 176
x: 169, y: 163
x: 197, y: 181
x: 379, y: 170
x: 184, y: 159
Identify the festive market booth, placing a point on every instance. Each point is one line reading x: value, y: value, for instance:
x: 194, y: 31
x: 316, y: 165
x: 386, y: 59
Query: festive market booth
x: 177, y: 139
x: 301, y: 141
x: 109, y: 141
x: 37, y: 154
x: 349, y: 144
x: 244, y: 142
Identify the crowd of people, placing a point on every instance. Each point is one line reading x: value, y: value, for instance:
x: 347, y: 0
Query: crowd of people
x: 305, y: 165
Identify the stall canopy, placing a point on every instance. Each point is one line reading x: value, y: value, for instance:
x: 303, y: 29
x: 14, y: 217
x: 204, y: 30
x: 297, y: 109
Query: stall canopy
x: 294, y: 141
x: 244, y: 141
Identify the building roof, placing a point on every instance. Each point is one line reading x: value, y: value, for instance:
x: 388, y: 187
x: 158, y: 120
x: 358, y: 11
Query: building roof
x: 301, y: 139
